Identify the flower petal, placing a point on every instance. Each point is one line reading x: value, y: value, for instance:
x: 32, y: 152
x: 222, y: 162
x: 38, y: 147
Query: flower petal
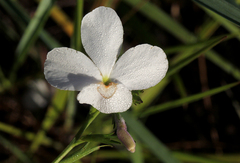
x: 119, y: 102
x: 140, y: 67
x: 102, y: 37
x: 69, y: 69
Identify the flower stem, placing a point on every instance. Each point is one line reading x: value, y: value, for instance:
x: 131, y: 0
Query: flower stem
x: 92, y: 115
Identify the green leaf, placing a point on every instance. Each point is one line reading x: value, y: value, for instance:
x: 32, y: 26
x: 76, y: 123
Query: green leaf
x: 228, y: 158
x: 91, y: 116
x: 76, y: 37
x: 101, y: 138
x: 20, y: 16
x: 28, y: 135
x: 169, y: 24
x: 150, y: 94
x: 15, y: 150
x: 196, y: 159
x: 81, y: 153
x: 53, y: 112
x: 180, y: 63
x: 31, y: 33
x: 224, y: 22
x: 226, y: 8
x: 179, y: 102
x: 224, y: 64
x: 70, y: 111
x: 155, y: 145
x: 192, y: 46
x: 152, y: 12
x: 137, y: 156
x: 75, y: 44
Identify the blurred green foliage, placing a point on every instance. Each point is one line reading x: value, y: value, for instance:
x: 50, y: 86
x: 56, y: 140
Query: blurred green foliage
x: 192, y: 115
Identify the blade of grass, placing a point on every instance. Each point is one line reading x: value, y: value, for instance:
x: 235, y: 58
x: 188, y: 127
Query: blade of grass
x: 182, y: 33
x: 208, y: 28
x: 62, y: 19
x: 91, y: 116
x: 9, y: 32
x: 181, y: 63
x: 180, y: 85
x: 228, y: 158
x: 53, y: 112
x: 101, y: 138
x: 82, y: 153
x: 227, y: 9
x: 31, y: 33
x: 196, y: 159
x: 189, y: 52
x: 16, y: 12
x: 76, y: 37
x: 22, y: 19
x: 162, y: 19
x: 150, y: 94
x: 224, y: 64
x: 28, y: 135
x: 155, y: 146
x: 193, y: 46
x: 213, y: 56
x: 75, y: 44
x: 5, y: 83
x: 15, y: 150
x: 174, y: 68
x: 70, y: 111
x: 224, y: 22
x: 111, y: 154
x: 190, y: 99
x: 137, y: 156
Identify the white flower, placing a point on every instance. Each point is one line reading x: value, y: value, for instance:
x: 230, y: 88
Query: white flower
x: 102, y: 83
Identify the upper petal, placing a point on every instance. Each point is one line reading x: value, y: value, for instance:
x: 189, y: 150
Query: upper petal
x: 140, y: 67
x: 69, y: 69
x: 102, y: 36
x: 120, y: 101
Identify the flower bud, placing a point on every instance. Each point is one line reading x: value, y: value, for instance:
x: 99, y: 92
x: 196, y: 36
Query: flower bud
x: 123, y: 134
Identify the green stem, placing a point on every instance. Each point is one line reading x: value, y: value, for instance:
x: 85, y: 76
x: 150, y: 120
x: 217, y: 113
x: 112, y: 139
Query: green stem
x: 92, y: 115
x: 76, y: 39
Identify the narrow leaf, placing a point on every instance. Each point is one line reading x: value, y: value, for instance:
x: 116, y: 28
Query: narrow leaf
x: 31, y: 33
x: 224, y: 22
x: 179, y: 102
x: 107, y: 139
x: 183, y: 62
x: 181, y: 33
x: 153, y: 13
x: 227, y: 9
x: 28, y: 135
x: 82, y: 153
x: 224, y: 64
x: 21, y: 17
x: 76, y: 37
x: 155, y: 145
x: 196, y: 159
x: 75, y: 44
x: 91, y: 116
x: 54, y: 110
x: 15, y: 150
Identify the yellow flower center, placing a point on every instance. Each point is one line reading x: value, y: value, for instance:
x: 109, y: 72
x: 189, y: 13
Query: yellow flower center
x: 106, y: 80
